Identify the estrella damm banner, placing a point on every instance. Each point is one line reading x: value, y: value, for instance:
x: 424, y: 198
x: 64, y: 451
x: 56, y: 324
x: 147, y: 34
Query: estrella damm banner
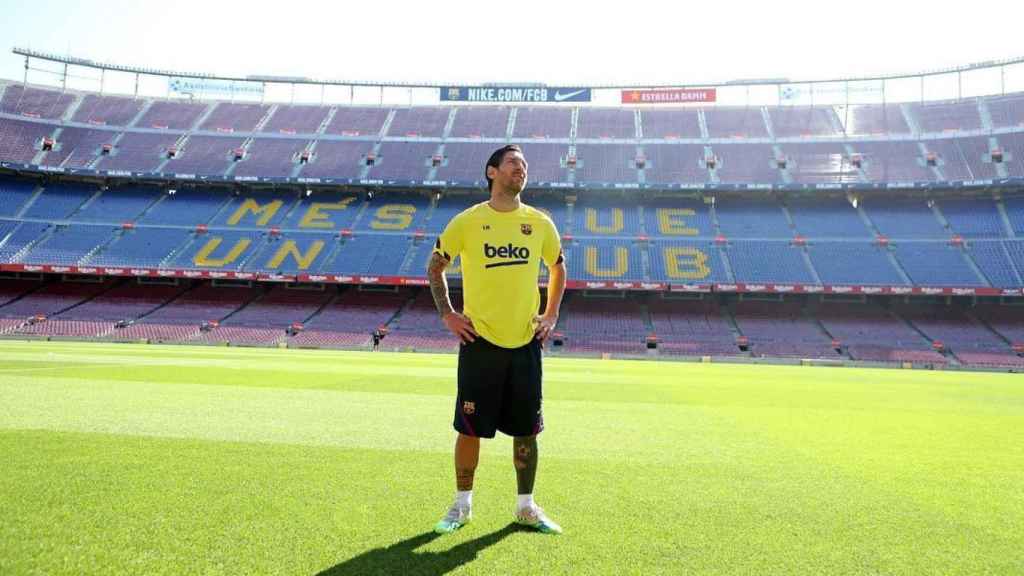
x: 513, y: 94
x: 669, y: 96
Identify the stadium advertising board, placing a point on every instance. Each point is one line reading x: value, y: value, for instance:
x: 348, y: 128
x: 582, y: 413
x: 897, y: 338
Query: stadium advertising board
x: 192, y: 86
x: 572, y: 284
x: 540, y: 184
x: 800, y: 93
x: 669, y: 96
x: 513, y: 94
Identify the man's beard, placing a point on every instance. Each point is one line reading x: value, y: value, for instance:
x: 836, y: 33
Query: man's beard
x: 514, y: 188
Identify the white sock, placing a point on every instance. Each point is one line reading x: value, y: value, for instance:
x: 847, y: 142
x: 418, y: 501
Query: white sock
x: 525, y: 501
x: 464, y: 498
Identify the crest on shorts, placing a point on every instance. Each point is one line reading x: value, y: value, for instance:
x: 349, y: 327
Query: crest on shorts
x: 526, y: 229
x: 468, y: 408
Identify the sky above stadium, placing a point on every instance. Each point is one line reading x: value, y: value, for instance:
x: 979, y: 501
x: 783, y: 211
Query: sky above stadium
x: 554, y: 42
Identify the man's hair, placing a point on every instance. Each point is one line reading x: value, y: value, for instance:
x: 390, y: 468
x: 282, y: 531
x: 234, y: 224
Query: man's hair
x: 495, y: 160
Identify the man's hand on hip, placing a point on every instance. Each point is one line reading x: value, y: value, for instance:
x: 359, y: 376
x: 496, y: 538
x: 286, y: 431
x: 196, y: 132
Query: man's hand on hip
x: 545, y: 325
x: 460, y: 325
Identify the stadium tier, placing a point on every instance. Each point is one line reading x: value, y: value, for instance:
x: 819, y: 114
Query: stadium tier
x: 801, y: 243
x: 926, y: 334
x: 858, y: 201
x: 969, y: 142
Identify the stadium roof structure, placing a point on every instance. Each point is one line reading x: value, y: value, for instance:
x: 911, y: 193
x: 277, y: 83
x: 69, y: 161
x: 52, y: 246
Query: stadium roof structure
x: 76, y: 61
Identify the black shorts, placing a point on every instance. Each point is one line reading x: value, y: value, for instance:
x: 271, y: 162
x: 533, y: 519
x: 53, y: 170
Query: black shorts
x: 499, y: 389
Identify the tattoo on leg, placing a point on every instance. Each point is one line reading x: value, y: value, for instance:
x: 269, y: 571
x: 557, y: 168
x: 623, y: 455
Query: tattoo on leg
x: 464, y: 478
x: 524, y: 456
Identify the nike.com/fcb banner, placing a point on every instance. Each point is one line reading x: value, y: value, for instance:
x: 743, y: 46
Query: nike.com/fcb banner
x: 673, y: 96
x: 513, y: 94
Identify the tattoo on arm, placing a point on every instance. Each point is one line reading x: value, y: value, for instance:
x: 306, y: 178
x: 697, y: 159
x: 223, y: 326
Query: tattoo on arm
x: 525, y: 459
x: 439, y: 284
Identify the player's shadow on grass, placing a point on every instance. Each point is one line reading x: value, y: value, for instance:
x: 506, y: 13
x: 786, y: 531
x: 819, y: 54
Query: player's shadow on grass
x: 401, y: 558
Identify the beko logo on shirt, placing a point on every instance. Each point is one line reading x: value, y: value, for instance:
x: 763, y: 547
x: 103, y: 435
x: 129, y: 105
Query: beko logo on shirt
x: 519, y: 254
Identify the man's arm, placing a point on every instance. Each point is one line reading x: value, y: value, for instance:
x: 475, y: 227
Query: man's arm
x: 459, y: 325
x: 556, y: 289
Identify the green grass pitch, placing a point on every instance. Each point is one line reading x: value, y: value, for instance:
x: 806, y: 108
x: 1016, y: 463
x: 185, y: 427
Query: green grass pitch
x: 122, y: 459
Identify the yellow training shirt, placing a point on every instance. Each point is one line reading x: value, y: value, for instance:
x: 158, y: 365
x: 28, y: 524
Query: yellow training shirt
x: 501, y: 254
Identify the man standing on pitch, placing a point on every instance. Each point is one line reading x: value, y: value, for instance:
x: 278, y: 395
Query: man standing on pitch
x: 501, y: 243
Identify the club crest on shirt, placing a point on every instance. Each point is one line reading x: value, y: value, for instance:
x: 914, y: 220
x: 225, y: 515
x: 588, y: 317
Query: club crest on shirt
x: 468, y: 408
x: 526, y: 229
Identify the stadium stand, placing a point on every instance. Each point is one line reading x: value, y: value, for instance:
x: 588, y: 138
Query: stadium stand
x: 48, y: 300
x: 870, y: 333
x: 265, y: 321
x: 598, y: 325
x: 356, y: 121
x: 186, y: 317
x: 99, y: 317
x: 670, y: 124
x: 747, y: 163
x: 349, y: 320
x: 801, y: 121
x: 234, y: 117
x: 419, y: 122
x: 35, y: 102
x: 21, y: 141
x: 870, y: 120
x: 675, y: 163
x: 543, y: 123
x: 464, y: 162
x: 606, y: 123
x: 780, y: 329
x: 204, y: 155
x: 296, y: 119
x: 692, y: 328
x: 489, y: 122
x: 108, y: 110
x: 13, y: 195
x: 605, y: 164
x: 735, y: 123
x: 946, y: 116
x: 142, y: 151
x: 273, y: 158
x: 893, y: 161
x: 76, y: 147
x: 173, y: 115
x: 819, y: 163
x: 1006, y: 111
x: 337, y: 159
x: 878, y: 235
x: 969, y: 340
x: 417, y: 326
